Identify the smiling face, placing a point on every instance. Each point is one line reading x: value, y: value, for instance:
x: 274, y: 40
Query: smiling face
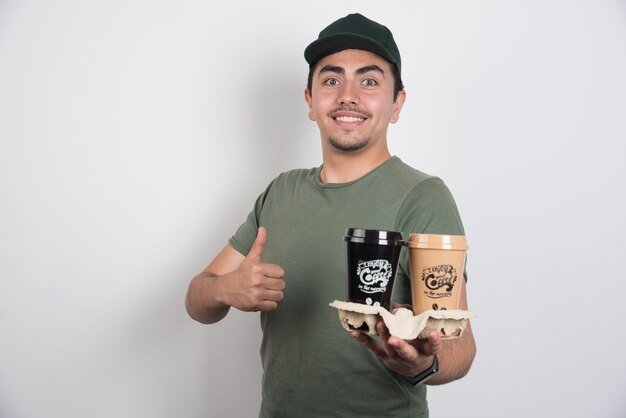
x: 351, y: 99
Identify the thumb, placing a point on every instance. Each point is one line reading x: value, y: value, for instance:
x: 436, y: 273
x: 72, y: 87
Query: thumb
x: 258, y: 246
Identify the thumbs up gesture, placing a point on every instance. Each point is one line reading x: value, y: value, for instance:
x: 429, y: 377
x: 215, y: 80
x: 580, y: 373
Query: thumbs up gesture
x: 254, y: 285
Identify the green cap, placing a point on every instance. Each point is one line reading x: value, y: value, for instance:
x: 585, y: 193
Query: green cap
x: 354, y: 31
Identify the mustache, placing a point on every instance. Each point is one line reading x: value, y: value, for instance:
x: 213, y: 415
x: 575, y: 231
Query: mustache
x: 349, y: 109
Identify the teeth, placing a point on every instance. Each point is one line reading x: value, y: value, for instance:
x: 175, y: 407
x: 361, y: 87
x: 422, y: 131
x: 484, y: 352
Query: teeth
x: 348, y: 119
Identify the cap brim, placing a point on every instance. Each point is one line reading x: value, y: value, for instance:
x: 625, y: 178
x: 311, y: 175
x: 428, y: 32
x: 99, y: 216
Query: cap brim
x: 338, y: 42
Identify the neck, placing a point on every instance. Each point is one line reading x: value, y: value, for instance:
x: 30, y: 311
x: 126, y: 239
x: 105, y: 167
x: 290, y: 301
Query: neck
x: 347, y: 167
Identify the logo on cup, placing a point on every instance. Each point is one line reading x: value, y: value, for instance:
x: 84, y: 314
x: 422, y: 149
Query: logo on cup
x: 374, y: 275
x: 439, y: 280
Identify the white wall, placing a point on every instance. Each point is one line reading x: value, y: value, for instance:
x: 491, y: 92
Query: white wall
x: 135, y: 135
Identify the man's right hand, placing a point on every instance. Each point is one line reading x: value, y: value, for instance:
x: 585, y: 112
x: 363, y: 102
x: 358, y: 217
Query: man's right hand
x: 254, y: 285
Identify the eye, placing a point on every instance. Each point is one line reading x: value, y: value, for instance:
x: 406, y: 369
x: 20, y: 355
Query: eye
x: 370, y: 82
x: 331, y: 82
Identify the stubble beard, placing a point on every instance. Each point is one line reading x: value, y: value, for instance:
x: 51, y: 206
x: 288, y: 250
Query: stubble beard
x: 351, y: 146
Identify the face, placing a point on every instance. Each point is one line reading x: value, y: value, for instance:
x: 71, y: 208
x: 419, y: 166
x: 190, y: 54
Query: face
x: 351, y: 100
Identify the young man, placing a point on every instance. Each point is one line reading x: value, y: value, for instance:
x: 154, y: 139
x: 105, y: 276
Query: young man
x: 287, y: 259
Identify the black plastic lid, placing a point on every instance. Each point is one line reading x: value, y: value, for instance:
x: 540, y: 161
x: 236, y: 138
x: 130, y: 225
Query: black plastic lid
x: 373, y: 236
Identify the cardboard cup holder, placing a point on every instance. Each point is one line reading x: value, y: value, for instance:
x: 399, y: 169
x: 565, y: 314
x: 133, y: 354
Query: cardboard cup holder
x: 401, y: 322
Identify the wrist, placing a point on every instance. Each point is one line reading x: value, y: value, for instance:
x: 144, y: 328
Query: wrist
x: 202, y: 300
x: 215, y: 289
x: 426, y: 374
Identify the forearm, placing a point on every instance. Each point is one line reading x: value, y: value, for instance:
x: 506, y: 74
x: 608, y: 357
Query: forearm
x: 201, y: 301
x: 455, y: 358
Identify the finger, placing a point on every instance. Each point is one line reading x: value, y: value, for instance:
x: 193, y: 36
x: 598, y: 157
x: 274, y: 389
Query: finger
x: 273, y: 295
x: 383, y: 331
x: 267, y: 306
x: 429, y: 346
x: 274, y: 284
x: 403, y: 349
x: 434, y: 342
x: 385, y: 335
x: 370, y: 343
x: 258, y: 246
x: 272, y: 270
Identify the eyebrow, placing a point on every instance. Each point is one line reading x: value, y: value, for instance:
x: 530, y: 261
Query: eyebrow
x: 369, y: 68
x: 340, y: 70
x: 332, y: 69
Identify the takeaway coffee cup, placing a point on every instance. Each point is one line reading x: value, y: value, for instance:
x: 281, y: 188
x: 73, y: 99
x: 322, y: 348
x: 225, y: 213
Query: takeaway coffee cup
x: 372, y: 259
x: 437, y: 263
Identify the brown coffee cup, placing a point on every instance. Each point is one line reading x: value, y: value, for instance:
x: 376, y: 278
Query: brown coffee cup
x: 437, y: 263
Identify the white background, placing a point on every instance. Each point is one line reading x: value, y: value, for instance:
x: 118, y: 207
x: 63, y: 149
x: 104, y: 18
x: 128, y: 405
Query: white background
x: 135, y: 136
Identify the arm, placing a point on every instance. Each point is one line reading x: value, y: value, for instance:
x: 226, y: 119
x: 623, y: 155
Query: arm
x: 409, y: 358
x: 234, y: 280
x: 456, y: 355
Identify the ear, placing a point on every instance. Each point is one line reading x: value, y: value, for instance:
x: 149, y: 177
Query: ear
x: 397, y: 106
x: 309, y: 102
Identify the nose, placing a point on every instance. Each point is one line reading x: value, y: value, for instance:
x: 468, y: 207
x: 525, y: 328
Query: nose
x: 348, y: 94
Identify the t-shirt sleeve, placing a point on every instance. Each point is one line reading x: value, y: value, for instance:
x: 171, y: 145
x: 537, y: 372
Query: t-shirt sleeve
x: 428, y: 209
x: 246, y: 233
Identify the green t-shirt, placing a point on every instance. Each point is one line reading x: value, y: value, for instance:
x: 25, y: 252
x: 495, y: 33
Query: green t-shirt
x: 312, y: 366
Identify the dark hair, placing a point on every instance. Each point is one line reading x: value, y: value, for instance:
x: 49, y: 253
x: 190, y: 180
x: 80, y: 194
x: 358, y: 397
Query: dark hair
x: 397, y: 80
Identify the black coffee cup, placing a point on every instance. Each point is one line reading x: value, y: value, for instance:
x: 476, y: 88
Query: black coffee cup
x: 372, y: 260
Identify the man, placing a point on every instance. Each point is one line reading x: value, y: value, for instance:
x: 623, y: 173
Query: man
x: 287, y: 259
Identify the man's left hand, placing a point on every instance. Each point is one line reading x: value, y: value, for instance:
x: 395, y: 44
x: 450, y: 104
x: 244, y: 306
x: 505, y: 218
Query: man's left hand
x: 407, y: 358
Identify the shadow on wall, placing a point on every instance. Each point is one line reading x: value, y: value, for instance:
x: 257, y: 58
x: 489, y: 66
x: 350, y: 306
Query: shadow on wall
x: 159, y: 341
x: 286, y: 138
x: 276, y: 136
x: 162, y: 352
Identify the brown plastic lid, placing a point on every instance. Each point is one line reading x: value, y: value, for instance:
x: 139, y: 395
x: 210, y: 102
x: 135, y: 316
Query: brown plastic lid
x: 436, y: 241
